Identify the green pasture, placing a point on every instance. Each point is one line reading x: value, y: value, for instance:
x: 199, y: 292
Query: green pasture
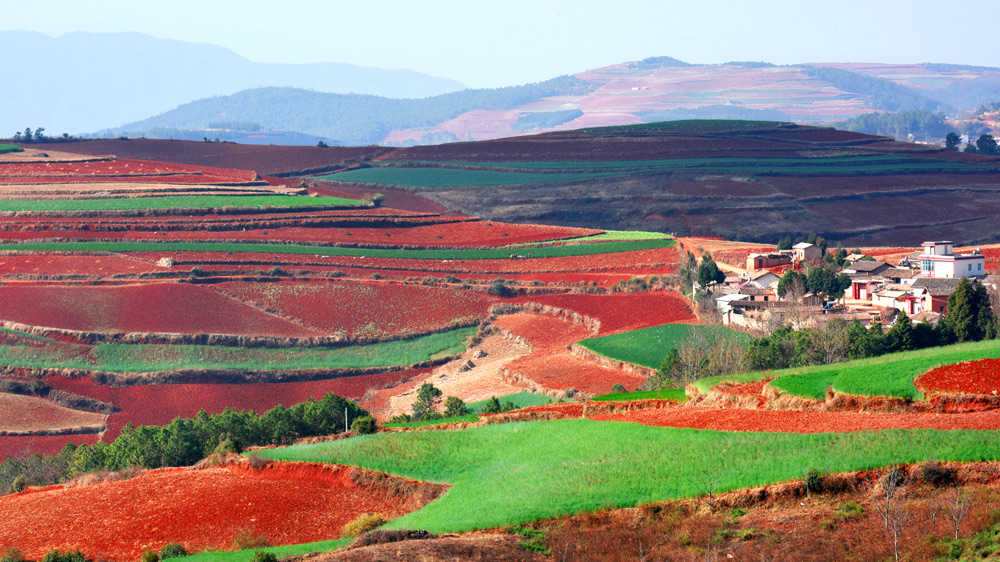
x: 519, y: 400
x: 178, y: 202
x: 606, y: 236
x: 5, y: 148
x: 239, y: 247
x: 648, y: 346
x: 675, y: 394
x: 506, y: 474
x: 887, y: 375
x: 279, y: 551
x: 430, y: 175
x: 140, y: 358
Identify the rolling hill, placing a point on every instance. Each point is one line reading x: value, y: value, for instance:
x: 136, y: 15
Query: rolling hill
x: 651, y: 90
x: 96, y: 80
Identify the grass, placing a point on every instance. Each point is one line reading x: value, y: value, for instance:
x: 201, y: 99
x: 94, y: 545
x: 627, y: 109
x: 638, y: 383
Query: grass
x: 25, y: 334
x: 889, y: 375
x: 508, y: 474
x: 451, y: 177
x: 5, y: 148
x: 444, y: 254
x: 177, y: 202
x: 468, y: 418
x: 675, y: 394
x: 279, y: 551
x: 606, y: 236
x: 648, y: 346
x: 520, y: 400
x: 153, y: 357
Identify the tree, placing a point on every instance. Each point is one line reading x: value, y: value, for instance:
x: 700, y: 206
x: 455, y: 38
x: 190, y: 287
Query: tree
x: 28, y: 135
x: 785, y: 243
x: 40, y: 134
x: 957, y: 505
x: 454, y: 407
x: 986, y: 144
x: 969, y: 148
x: 427, y: 399
x: 821, y: 242
x: 365, y: 425
x: 901, y: 337
x: 492, y: 406
x: 708, y: 272
x: 888, y: 498
x: 792, y: 282
x: 952, y: 140
x: 811, y: 239
x: 840, y: 256
x: 970, y: 316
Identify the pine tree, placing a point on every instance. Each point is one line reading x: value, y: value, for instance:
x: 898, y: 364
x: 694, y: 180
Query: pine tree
x: 901, y: 335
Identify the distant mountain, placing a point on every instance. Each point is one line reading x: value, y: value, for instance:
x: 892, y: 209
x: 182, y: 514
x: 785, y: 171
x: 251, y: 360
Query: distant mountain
x: 653, y: 89
x: 82, y: 82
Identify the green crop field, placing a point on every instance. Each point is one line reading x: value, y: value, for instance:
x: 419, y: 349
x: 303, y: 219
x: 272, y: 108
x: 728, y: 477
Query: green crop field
x: 468, y: 418
x: 452, y: 177
x: 279, y: 551
x: 177, y: 202
x: 675, y: 394
x: 5, y: 148
x: 606, y: 236
x: 238, y: 247
x: 648, y: 346
x: 152, y: 357
x: 423, y: 174
x: 519, y: 400
x: 888, y: 375
x: 513, y: 473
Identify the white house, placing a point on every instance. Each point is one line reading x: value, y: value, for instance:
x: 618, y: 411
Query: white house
x: 940, y: 260
x: 805, y: 251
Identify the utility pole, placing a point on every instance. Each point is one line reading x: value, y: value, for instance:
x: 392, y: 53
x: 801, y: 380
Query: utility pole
x: 345, y: 420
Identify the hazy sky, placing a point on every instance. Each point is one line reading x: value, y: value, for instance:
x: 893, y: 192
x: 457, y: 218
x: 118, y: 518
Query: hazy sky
x: 505, y: 42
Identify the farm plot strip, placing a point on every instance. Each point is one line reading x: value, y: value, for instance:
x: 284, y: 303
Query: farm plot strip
x: 179, y: 202
x: 242, y: 247
x: 513, y: 473
x: 146, y: 358
x: 888, y: 375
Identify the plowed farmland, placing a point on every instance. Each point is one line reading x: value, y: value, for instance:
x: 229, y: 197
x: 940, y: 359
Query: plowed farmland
x: 801, y: 421
x: 201, y: 509
x: 164, y: 307
x: 20, y: 413
x: 365, y: 309
x: 970, y: 377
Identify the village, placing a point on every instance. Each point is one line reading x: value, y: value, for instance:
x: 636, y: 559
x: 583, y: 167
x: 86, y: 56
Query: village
x: 866, y: 289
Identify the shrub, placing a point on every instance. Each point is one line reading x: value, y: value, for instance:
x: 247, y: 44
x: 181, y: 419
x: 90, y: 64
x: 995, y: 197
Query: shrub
x: 362, y: 524
x: 19, y: 484
x: 400, y: 418
x: 454, y: 407
x: 257, y: 462
x: 813, y: 482
x: 60, y: 556
x: 618, y: 389
x: 500, y: 289
x: 226, y: 445
x: 933, y: 473
x: 197, y: 272
x: 149, y: 556
x: 570, y: 392
x: 492, y: 406
x: 247, y: 538
x: 263, y: 556
x: 172, y: 550
x: 11, y: 555
x: 850, y: 510
x: 364, y: 425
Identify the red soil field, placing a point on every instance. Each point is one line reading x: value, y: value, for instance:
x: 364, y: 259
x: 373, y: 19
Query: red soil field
x: 559, y: 370
x: 467, y: 233
x: 970, y: 377
x: 370, y: 308
x: 30, y: 413
x: 289, y: 503
x: 159, y: 404
x: 265, y: 159
x: 22, y: 447
x: 120, y: 170
x: 50, y: 264
x: 801, y: 421
x: 738, y: 256
x: 621, y: 312
x: 542, y: 331
x: 159, y: 307
x: 742, y: 389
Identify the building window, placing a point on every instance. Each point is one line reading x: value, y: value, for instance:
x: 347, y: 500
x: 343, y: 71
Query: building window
x: 926, y: 265
x: 970, y: 267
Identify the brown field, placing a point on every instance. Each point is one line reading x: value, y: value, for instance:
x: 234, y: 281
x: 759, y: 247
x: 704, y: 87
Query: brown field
x: 20, y: 413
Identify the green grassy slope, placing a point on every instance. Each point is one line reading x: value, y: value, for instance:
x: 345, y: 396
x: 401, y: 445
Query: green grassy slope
x: 648, y: 346
x: 888, y: 375
x: 177, y: 202
x: 519, y: 472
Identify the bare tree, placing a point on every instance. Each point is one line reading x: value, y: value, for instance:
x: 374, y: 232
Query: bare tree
x: 956, y: 505
x: 707, y: 483
x: 888, y: 498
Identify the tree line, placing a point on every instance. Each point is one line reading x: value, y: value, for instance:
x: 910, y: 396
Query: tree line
x: 185, y: 441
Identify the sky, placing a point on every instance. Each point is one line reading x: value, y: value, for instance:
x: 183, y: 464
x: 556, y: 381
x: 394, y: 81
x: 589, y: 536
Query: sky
x: 507, y: 42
